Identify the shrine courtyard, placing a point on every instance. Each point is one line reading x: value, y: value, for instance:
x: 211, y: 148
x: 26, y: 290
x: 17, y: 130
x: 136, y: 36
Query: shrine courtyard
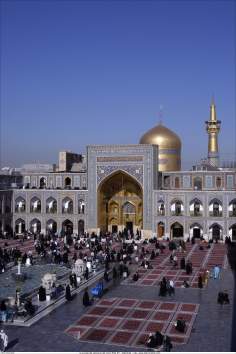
x: 122, y: 319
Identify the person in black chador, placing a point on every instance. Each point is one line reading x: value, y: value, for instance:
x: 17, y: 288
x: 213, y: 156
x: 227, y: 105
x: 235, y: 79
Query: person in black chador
x: 135, y: 276
x: 151, y: 342
x: 42, y: 294
x: 29, y: 307
x: 189, y: 268
x: 200, y: 284
x: 159, y: 338
x: 182, y: 263
x: 167, y: 345
x: 86, y: 300
x: 180, y: 325
x: 163, y: 287
x: 68, y: 293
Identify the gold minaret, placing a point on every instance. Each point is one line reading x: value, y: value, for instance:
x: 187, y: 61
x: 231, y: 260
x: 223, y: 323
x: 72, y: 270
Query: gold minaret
x: 213, y: 128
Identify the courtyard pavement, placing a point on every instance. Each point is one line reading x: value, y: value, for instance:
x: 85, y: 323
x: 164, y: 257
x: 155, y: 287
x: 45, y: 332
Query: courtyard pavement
x: 211, y: 329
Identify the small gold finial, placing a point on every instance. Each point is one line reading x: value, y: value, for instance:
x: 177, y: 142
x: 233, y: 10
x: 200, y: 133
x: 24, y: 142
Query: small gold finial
x: 160, y: 114
x: 213, y: 111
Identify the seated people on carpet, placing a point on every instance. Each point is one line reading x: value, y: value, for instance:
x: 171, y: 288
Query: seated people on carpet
x: 135, y: 276
x: 180, y: 325
x: 29, y: 307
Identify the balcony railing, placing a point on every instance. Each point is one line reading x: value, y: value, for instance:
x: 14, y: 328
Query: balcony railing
x: 215, y: 213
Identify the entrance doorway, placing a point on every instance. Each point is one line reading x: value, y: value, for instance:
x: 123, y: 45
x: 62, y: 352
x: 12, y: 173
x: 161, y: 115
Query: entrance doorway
x: 160, y: 229
x: 216, y: 232
x: 120, y: 200
x: 177, y: 230
x: 233, y: 230
x: 129, y: 226
x: 196, y: 232
x: 114, y: 229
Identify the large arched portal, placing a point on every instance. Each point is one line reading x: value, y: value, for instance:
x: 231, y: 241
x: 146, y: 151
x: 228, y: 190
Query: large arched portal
x: 120, y: 199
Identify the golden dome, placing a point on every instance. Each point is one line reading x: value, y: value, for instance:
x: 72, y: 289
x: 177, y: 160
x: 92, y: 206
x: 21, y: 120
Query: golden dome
x: 169, y: 147
x: 161, y: 136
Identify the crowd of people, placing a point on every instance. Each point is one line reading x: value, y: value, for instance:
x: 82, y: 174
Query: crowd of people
x: 114, y: 254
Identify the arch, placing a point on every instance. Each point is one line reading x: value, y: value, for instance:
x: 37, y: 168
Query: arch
x: 125, y: 173
x: 42, y: 183
x: 67, y: 206
x: 215, y: 207
x: 196, y: 207
x: 232, y: 208
x: 195, y: 230
x: 51, y: 226
x: 81, y: 206
x: 20, y: 205
x: 19, y: 226
x: 177, y: 230
x: 161, y: 207
x: 51, y: 205
x: 128, y: 208
x: 81, y: 227
x: 232, y: 232
x: 216, y: 231
x: 35, y: 205
x: 68, y: 183
x: 197, y: 183
x: 160, y: 229
x: 176, y: 207
x: 124, y: 190
x: 35, y: 226
x: 67, y: 227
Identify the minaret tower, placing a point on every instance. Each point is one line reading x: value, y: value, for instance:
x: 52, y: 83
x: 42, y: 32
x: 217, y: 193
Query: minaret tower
x: 213, y: 128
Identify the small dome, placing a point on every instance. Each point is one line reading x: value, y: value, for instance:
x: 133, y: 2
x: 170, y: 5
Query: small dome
x: 161, y: 136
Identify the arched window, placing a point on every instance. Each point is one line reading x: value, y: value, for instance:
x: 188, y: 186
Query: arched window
x: 67, y: 206
x: 68, y: 183
x: 67, y: 227
x: 197, y: 183
x: 81, y: 227
x: 160, y: 208
x: 177, y: 208
x: 42, y: 183
x: 35, y: 205
x: 81, y: 206
x: 215, y: 208
x: 232, y: 208
x: 20, y: 205
x: 196, y: 207
x: 35, y: 226
x: 19, y: 226
x: 51, y: 226
x: 51, y: 205
x: 128, y: 208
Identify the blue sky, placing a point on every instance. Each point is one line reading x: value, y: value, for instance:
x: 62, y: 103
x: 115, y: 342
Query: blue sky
x: 75, y: 73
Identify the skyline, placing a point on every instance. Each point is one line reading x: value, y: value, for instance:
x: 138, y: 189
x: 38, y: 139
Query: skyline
x: 81, y: 73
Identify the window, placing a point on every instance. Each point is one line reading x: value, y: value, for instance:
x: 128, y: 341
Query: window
x: 177, y: 182
x: 218, y: 182
x: 230, y: 182
x: 208, y: 182
x: 186, y: 182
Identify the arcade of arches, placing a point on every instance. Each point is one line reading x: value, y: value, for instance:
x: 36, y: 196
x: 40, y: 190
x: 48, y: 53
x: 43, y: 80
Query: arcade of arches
x: 120, y: 204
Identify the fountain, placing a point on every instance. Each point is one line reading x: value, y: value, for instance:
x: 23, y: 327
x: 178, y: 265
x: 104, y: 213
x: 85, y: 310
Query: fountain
x: 19, y: 276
